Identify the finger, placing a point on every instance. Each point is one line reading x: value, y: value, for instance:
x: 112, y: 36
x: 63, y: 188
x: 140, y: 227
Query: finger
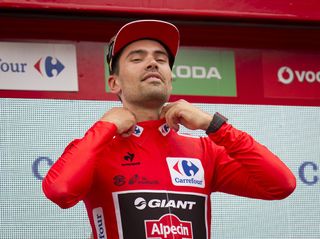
x: 128, y: 132
x: 172, y: 118
x: 165, y: 109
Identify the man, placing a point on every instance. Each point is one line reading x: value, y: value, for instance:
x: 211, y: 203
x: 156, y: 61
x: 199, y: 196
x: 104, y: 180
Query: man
x: 138, y: 177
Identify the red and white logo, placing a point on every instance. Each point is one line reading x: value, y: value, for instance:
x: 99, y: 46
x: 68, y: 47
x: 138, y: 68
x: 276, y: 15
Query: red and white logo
x: 169, y: 226
x: 291, y: 75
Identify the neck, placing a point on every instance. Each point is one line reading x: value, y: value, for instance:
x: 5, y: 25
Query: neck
x: 143, y: 113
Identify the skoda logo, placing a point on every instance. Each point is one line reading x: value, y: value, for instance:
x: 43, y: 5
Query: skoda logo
x: 140, y: 203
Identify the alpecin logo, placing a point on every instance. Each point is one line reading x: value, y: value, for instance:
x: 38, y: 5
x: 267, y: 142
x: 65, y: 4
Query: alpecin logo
x: 49, y: 66
x: 169, y: 226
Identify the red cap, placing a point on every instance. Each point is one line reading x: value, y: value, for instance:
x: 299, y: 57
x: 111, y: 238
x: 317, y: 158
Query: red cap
x: 164, y: 32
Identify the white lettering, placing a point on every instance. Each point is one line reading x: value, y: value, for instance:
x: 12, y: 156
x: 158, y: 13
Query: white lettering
x: 286, y: 75
x: 183, y: 71
x: 310, y: 77
x: 155, y: 229
x: 300, y: 75
x: 214, y: 73
x: 157, y: 203
x: 195, y: 72
x: 318, y: 76
x: 198, y: 72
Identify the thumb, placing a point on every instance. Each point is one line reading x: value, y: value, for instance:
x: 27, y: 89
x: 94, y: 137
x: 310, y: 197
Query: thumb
x: 128, y: 132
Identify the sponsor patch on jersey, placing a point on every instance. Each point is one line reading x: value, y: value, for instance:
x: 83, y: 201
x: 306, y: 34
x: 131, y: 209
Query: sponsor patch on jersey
x: 98, y: 219
x: 161, y: 215
x: 168, y: 226
x: 164, y: 129
x: 137, y: 131
x: 186, y: 172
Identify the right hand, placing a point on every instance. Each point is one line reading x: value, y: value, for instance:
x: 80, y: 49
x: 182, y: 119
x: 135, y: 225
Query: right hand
x: 124, y: 119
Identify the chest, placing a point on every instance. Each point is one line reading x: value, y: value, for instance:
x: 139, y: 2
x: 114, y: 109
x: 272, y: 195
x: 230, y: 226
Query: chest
x: 152, y: 164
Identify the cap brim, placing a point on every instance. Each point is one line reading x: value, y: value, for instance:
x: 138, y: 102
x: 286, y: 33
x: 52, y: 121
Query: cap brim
x: 162, y: 31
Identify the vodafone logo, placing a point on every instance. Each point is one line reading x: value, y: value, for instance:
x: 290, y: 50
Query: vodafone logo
x: 287, y: 75
x: 168, y: 226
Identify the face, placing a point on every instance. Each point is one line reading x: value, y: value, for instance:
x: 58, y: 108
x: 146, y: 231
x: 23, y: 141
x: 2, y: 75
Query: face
x: 144, y: 77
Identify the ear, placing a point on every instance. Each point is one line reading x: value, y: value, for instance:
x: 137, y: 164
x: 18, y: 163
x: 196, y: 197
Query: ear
x: 114, y: 86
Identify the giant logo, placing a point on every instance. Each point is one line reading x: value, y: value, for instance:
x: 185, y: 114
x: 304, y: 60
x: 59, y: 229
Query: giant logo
x: 169, y: 226
x: 49, y: 66
x: 186, y: 172
x: 140, y: 203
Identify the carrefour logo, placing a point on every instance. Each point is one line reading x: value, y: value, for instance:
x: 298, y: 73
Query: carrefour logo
x: 188, y: 168
x: 49, y: 66
x: 186, y: 172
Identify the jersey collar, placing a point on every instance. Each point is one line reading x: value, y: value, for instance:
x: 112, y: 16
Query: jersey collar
x: 160, y: 125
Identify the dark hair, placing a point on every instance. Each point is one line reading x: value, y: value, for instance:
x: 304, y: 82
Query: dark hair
x: 115, y: 64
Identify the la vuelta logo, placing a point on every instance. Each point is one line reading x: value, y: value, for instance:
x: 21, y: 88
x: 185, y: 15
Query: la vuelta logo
x: 169, y: 226
x: 287, y: 75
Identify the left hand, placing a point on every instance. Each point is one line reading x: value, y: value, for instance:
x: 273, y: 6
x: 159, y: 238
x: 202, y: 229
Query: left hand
x: 182, y: 112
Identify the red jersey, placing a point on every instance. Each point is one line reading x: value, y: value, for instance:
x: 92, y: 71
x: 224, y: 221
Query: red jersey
x: 157, y: 182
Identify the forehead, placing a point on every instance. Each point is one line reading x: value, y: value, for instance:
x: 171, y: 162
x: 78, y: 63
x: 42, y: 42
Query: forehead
x: 145, y: 45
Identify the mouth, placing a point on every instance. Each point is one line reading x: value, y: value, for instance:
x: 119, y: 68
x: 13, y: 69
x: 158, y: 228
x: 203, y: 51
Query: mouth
x: 152, y: 77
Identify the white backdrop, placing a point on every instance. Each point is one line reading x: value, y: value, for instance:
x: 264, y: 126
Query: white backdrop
x: 33, y: 134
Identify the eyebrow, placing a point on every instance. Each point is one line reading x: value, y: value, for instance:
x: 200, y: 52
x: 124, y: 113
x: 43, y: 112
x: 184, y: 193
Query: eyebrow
x: 141, y: 51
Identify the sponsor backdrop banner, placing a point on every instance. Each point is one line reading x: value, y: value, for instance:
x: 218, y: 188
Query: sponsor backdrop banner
x: 291, y: 75
x: 35, y: 132
x: 202, y: 71
x: 38, y: 66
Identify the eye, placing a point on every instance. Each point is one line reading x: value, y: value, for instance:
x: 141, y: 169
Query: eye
x: 136, y: 59
x: 162, y: 59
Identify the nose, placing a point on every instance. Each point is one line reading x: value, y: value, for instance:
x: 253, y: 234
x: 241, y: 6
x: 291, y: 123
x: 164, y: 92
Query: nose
x: 152, y: 65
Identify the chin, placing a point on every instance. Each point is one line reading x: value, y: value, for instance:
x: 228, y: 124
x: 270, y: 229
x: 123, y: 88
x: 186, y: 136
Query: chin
x: 156, y: 99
